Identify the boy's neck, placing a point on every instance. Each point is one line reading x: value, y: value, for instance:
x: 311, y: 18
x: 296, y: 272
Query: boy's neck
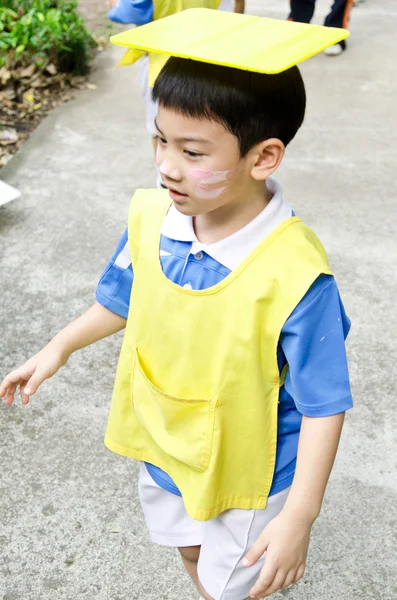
x: 219, y: 224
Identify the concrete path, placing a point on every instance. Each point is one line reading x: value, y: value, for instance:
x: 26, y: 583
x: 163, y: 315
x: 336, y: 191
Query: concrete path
x: 70, y: 523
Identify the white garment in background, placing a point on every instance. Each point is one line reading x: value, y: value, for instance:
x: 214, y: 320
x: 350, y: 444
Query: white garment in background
x: 151, y: 106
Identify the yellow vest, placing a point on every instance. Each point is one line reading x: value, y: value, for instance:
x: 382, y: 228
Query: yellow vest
x: 164, y: 8
x: 197, y: 384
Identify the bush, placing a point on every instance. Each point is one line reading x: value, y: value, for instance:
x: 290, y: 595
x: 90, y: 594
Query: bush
x: 43, y: 32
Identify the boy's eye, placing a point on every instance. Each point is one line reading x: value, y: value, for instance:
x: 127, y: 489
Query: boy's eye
x: 161, y: 140
x: 193, y: 154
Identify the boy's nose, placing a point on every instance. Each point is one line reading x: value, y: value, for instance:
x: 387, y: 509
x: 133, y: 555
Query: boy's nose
x: 169, y: 170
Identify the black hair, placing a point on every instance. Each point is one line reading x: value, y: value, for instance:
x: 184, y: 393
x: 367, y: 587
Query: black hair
x: 252, y: 106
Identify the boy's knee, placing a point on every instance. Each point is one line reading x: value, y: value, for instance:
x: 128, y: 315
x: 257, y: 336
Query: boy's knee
x: 190, y: 553
x: 203, y: 593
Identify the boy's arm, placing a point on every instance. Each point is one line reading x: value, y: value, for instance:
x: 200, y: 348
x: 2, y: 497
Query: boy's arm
x: 318, y: 444
x: 286, y: 539
x: 313, y: 343
x: 97, y: 323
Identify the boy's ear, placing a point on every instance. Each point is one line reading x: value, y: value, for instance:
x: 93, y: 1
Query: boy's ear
x: 267, y: 156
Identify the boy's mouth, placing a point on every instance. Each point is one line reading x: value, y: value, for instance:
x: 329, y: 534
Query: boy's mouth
x: 176, y: 196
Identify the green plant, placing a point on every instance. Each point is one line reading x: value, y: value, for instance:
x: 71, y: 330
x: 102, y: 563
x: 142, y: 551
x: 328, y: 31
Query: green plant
x: 44, y: 31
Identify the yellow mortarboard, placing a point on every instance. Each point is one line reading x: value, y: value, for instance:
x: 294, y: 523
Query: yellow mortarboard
x: 233, y: 40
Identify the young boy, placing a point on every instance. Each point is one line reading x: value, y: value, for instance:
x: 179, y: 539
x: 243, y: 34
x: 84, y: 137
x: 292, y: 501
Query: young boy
x: 232, y: 382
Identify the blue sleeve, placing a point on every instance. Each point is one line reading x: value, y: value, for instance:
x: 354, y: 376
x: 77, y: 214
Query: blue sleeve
x: 313, y: 342
x: 114, y: 287
x: 136, y: 12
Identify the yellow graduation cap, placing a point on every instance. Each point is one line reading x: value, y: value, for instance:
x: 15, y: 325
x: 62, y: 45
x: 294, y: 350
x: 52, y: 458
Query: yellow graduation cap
x: 233, y: 40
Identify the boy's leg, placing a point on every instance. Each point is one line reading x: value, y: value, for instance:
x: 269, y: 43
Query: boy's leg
x: 302, y: 11
x: 190, y: 556
x: 226, y: 540
x: 339, y: 15
x: 211, y: 551
x: 168, y: 522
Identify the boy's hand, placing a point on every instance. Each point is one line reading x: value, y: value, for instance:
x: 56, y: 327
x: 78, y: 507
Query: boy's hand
x: 32, y: 374
x: 285, y: 541
x: 95, y: 324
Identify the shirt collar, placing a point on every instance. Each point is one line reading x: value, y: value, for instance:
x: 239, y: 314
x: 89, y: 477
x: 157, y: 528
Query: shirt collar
x: 232, y: 250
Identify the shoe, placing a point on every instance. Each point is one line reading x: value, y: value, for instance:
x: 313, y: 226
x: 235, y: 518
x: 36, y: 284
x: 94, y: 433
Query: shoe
x: 336, y: 49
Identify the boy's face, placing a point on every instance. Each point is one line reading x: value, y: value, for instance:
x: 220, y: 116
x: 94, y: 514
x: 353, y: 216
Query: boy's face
x: 200, y: 163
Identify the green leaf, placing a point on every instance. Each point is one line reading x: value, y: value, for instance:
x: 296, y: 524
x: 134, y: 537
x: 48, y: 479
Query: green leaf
x: 51, y: 27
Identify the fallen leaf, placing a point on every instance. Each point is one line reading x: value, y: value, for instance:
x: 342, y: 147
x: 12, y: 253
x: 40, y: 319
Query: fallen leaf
x: 5, y: 75
x: 8, y: 94
x: 28, y: 71
x: 8, y: 136
x: 6, y: 102
x: 51, y: 69
x: 29, y: 96
x: 77, y: 80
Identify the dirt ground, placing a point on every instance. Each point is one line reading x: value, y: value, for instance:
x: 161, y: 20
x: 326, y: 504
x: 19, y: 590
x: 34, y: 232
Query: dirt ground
x: 24, y: 105
x: 95, y: 15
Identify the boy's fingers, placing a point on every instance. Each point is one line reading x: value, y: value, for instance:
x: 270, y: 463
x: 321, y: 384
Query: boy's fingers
x: 256, y: 551
x: 33, y: 383
x: 275, y: 585
x: 10, y: 394
x: 291, y: 578
x: 24, y: 397
x: 7, y: 382
x: 9, y: 399
x: 300, y: 572
x: 264, y: 581
x: 23, y: 373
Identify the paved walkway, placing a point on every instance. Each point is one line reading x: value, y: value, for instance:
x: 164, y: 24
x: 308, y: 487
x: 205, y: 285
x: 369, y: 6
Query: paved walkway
x: 70, y: 523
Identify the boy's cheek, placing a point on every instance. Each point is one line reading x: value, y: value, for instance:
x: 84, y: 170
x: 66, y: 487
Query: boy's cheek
x: 209, y: 184
x: 208, y: 177
x: 204, y: 194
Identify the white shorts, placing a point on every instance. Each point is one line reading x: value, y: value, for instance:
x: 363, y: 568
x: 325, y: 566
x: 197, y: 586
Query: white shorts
x: 224, y: 540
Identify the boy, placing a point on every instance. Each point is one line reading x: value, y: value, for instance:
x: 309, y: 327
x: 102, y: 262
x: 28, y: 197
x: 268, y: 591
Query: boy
x: 232, y: 382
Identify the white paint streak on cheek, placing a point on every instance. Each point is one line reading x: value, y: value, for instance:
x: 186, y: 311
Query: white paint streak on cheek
x: 204, y: 194
x: 207, y: 177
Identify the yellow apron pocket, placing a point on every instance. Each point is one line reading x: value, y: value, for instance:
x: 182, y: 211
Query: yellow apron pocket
x: 182, y: 428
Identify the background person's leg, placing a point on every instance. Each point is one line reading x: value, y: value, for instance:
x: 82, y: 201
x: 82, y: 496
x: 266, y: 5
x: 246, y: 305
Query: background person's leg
x: 339, y: 15
x: 302, y: 11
